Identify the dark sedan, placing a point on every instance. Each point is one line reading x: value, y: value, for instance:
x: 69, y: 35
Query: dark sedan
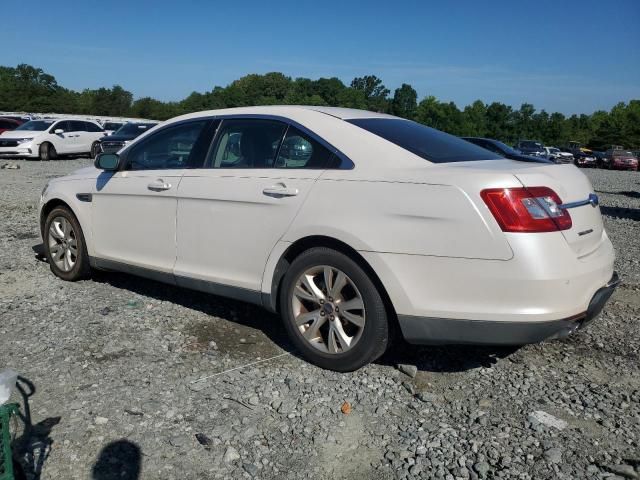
x: 121, y: 137
x: 504, y: 150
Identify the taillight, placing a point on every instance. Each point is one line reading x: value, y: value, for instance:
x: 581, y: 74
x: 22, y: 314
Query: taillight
x: 527, y: 210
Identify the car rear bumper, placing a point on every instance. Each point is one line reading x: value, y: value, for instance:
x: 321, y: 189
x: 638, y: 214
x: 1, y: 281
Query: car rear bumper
x: 434, y: 331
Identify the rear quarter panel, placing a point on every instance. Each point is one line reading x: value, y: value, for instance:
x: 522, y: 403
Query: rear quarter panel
x: 403, y: 217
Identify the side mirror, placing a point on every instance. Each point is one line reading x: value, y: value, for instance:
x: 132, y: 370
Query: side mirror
x: 107, y: 161
x: 58, y: 131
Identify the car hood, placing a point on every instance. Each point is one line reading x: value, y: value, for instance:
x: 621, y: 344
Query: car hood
x: 19, y: 134
x: 85, y: 173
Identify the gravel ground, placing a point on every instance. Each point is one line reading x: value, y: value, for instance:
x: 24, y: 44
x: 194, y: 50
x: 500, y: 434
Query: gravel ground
x: 114, y: 363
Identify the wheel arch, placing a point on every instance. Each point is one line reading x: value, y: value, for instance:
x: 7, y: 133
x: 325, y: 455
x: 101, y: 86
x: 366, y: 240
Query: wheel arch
x: 81, y: 216
x: 272, y: 301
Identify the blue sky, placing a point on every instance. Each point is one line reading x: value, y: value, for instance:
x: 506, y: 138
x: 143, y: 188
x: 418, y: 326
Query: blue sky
x: 573, y: 56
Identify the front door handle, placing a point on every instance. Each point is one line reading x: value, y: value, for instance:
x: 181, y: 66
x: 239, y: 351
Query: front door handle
x: 280, y: 190
x: 159, y: 185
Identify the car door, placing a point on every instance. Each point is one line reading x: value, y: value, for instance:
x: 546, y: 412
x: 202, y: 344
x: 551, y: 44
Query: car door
x: 134, y: 209
x: 232, y: 213
x: 62, y: 141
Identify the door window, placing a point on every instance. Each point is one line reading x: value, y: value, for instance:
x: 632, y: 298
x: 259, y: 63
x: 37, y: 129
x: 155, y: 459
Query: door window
x: 63, y: 125
x: 76, y: 126
x: 92, y: 127
x: 170, y: 148
x: 298, y: 150
x: 247, y: 144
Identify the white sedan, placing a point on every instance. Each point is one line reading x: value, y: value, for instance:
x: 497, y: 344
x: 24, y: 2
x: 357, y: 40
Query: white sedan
x: 345, y: 222
x: 46, y: 139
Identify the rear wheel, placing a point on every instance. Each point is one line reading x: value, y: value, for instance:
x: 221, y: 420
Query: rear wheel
x: 65, y: 246
x: 332, y: 311
x: 47, y: 152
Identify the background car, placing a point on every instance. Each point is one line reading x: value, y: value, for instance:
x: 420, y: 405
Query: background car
x: 121, y: 137
x: 345, y: 222
x: 620, y: 159
x: 48, y: 138
x: 557, y: 155
x: 504, y: 150
x: 7, y: 124
x: 110, y: 126
x: 530, y: 147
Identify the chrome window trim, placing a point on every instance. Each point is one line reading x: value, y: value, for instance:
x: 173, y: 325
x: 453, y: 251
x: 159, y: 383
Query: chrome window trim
x: 345, y: 162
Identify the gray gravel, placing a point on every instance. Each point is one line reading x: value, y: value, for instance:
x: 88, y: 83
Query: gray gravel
x: 114, y: 361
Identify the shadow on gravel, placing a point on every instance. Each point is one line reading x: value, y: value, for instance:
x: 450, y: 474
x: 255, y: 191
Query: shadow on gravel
x: 621, y: 212
x: 234, y: 311
x: 445, y: 358
x: 34, y: 445
x: 630, y: 194
x: 119, y: 460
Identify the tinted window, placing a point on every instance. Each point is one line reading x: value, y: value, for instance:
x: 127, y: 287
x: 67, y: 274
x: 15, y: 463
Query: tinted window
x: 301, y: 151
x: 64, y: 126
x: 36, y: 125
x: 112, y: 125
x: 134, y: 129
x: 169, y: 148
x: 247, y: 144
x: 4, y: 124
x: 76, y: 126
x: 92, y: 127
x: 426, y: 142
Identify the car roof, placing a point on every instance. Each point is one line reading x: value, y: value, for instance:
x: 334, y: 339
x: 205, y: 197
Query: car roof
x: 290, y: 111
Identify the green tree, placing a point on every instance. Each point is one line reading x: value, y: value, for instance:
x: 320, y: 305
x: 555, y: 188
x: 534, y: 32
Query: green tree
x: 405, y: 101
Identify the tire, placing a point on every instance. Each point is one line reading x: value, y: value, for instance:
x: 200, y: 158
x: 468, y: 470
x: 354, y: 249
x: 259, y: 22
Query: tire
x: 64, y: 245
x: 94, y: 150
x: 47, y: 152
x: 366, y: 328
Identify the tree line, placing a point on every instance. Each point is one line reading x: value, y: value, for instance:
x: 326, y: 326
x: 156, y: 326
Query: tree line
x: 30, y: 89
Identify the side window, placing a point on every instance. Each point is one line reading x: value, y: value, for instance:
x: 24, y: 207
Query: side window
x: 63, y: 125
x: 92, y: 127
x: 4, y: 124
x: 170, y: 148
x: 247, y: 143
x: 298, y: 150
x: 76, y: 126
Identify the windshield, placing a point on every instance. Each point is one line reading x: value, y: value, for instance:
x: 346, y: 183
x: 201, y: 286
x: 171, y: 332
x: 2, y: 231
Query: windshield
x: 554, y: 150
x: 134, y: 129
x: 36, y: 125
x: 504, y: 147
x: 426, y: 142
x: 112, y: 125
x: 528, y: 144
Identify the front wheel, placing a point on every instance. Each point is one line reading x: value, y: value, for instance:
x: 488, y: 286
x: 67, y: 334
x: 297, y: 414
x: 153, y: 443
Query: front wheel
x: 64, y: 245
x: 95, y: 149
x: 47, y: 152
x: 333, y: 311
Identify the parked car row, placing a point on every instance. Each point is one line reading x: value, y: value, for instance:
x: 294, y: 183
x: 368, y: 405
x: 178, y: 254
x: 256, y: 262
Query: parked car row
x: 615, y: 157
x: 47, y: 139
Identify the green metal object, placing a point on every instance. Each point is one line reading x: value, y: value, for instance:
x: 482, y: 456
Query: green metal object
x: 6, y: 458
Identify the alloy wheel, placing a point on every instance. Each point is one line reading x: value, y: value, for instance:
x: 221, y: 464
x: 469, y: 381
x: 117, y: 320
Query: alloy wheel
x: 63, y: 244
x: 328, y: 309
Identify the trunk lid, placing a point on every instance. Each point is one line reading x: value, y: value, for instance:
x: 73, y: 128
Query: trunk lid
x: 571, y: 185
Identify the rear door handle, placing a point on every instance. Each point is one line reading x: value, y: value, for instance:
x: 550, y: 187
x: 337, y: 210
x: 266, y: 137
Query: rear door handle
x: 280, y: 190
x: 159, y: 185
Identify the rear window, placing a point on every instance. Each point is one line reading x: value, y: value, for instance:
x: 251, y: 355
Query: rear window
x: 426, y: 142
